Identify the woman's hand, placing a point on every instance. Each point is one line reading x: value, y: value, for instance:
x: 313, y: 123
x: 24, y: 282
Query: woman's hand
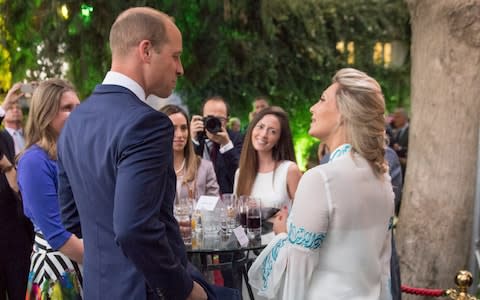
x: 280, y: 221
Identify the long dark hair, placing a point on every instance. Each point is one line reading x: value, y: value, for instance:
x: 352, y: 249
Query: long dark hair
x: 283, y: 150
x: 192, y: 161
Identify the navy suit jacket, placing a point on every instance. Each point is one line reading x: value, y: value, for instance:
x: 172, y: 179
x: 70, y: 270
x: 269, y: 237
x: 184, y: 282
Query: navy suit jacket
x: 116, y: 180
x: 225, y: 164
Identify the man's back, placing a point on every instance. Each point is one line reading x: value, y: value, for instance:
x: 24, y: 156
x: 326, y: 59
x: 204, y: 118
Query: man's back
x: 114, y: 153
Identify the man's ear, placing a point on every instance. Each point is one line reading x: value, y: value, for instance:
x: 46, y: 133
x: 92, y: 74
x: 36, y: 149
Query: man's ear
x: 145, y: 50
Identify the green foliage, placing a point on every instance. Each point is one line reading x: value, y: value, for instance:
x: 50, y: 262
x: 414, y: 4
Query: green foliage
x: 238, y: 49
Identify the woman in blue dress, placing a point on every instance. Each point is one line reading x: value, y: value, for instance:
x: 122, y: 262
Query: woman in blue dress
x: 57, y: 253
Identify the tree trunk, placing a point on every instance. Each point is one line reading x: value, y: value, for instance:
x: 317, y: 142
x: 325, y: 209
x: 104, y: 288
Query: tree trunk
x: 435, y: 224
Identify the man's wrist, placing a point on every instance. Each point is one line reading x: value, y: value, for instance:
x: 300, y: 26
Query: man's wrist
x: 226, y: 147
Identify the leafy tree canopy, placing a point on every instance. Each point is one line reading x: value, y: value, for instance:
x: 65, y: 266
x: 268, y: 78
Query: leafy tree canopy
x: 288, y: 50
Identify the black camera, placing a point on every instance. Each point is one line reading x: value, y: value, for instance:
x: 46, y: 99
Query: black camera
x: 212, y: 124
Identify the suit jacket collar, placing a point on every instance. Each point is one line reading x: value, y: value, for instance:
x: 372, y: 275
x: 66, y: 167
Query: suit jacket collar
x: 122, y: 80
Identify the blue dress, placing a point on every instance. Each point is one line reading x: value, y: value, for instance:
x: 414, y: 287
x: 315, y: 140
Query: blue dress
x: 49, y: 268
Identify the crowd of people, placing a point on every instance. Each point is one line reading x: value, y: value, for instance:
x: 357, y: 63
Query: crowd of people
x: 88, y: 190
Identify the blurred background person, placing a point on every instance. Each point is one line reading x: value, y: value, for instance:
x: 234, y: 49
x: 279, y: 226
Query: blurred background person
x: 222, y: 147
x: 234, y: 124
x: 195, y: 176
x: 16, y: 231
x: 316, y: 252
x: 56, y: 251
x: 400, y: 136
x: 259, y: 103
x: 323, y: 153
x: 267, y: 167
x: 13, y: 119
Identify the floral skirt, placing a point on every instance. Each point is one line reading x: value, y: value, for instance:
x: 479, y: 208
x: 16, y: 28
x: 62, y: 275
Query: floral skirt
x: 53, y: 276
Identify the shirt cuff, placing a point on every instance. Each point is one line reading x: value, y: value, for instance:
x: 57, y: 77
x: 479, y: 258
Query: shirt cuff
x: 227, y: 147
x: 194, y: 141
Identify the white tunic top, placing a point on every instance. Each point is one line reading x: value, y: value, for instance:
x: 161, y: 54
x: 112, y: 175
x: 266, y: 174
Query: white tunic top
x: 338, y: 240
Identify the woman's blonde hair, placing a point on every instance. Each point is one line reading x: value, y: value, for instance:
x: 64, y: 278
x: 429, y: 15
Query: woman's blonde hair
x: 44, y: 107
x: 362, y: 106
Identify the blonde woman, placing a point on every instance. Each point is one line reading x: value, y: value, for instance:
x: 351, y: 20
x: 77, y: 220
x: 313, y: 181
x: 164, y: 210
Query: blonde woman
x: 56, y: 252
x: 335, y: 244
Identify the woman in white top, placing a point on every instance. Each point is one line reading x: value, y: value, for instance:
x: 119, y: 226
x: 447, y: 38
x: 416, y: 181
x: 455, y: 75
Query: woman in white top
x: 335, y: 244
x: 267, y: 167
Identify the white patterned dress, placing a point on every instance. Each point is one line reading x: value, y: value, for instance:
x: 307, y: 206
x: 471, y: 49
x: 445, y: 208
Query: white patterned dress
x: 338, y: 243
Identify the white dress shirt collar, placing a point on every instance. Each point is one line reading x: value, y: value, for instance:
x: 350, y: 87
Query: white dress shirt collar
x: 122, y: 80
x: 12, y: 131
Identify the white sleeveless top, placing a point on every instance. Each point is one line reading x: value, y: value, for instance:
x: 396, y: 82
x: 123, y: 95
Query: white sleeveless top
x: 271, y: 187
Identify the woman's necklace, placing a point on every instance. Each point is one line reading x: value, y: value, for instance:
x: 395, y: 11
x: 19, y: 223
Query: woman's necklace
x: 177, y: 171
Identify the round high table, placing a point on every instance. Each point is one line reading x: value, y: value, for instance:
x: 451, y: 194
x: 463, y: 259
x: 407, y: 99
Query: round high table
x: 227, y: 246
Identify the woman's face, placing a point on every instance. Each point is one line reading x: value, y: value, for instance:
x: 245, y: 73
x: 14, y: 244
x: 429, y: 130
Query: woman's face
x: 180, y: 134
x: 266, y: 133
x: 325, y: 114
x: 68, y: 102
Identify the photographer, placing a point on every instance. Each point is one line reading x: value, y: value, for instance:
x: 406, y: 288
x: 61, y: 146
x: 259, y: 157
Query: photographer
x: 214, y: 142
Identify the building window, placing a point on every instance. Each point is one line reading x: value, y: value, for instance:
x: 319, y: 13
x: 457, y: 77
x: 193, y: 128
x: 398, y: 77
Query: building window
x: 382, y: 54
x: 350, y: 48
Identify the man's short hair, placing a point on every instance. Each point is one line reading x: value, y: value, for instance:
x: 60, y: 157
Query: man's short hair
x: 135, y: 25
x: 216, y: 98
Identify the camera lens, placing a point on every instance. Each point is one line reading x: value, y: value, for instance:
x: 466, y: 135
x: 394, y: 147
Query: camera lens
x: 212, y: 124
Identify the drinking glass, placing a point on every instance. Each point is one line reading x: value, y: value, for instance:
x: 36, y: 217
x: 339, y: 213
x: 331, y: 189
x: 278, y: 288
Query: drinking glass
x: 254, y: 218
x: 242, y: 210
x: 210, y: 222
x: 229, y: 201
x: 183, y: 214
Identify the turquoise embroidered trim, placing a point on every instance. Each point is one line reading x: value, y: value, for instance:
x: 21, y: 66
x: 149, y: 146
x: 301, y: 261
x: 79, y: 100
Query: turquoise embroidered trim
x: 340, y: 151
x: 267, y: 265
x: 296, y: 236
x: 307, y: 239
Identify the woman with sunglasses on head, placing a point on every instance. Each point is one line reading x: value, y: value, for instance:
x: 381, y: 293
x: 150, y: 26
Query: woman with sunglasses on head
x: 57, y: 252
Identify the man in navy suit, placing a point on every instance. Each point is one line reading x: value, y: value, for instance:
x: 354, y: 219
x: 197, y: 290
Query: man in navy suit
x: 116, y: 176
x: 222, y: 147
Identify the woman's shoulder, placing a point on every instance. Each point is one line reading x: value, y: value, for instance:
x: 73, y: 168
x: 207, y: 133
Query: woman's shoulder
x: 205, y: 163
x: 33, y: 154
x: 35, y: 160
x: 205, y: 166
x: 285, y: 165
